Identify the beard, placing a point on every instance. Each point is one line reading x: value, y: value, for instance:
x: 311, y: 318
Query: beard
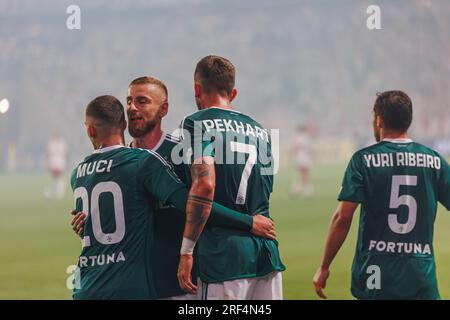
x: 138, y: 131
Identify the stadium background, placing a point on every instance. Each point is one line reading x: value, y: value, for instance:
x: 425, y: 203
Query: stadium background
x: 298, y: 62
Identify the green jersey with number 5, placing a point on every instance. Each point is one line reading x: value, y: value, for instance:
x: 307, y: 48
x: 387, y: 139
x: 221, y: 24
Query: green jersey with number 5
x: 399, y: 184
x: 244, y: 165
x: 119, y: 189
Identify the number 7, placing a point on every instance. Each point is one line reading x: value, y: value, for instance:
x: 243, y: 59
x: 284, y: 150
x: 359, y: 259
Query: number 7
x: 252, y: 155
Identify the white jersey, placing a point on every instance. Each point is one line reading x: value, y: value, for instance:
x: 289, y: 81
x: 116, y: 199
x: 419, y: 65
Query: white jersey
x: 57, y: 154
x: 302, y: 150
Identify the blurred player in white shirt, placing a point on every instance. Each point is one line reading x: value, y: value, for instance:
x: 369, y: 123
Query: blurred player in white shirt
x: 56, y: 163
x: 301, y: 145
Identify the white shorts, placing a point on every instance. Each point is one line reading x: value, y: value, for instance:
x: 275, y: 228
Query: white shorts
x: 268, y: 287
x: 303, y: 162
x: 57, y: 164
x: 182, y: 297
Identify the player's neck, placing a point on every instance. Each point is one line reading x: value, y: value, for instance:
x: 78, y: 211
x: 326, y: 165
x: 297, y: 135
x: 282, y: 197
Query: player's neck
x: 215, y: 100
x: 386, y: 134
x: 110, y: 141
x: 150, y: 140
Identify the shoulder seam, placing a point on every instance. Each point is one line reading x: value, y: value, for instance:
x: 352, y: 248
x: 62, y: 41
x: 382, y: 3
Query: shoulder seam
x: 158, y: 156
x: 171, y: 138
x: 182, y: 124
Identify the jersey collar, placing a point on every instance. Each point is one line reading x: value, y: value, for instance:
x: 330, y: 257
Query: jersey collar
x: 102, y: 150
x: 402, y: 140
x: 156, y: 147
x: 226, y: 109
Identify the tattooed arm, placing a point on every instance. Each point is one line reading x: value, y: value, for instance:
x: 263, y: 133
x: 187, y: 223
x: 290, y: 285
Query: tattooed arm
x: 200, y: 198
x: 198, y: 208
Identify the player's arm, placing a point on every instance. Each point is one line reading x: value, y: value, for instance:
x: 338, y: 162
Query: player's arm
x: 161, y: 182
x: 221, y: 216
x: 77, y: 222
x: 339, y: 228
x: 224, y: 217
x: 200, y: 197
x: 198, y: 209
x: 352, y: 193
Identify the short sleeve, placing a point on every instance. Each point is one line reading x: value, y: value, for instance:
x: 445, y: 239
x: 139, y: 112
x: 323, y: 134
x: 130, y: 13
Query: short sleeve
x: 158, y: 178
x: 353, y: 183
x: 73, y: 178
x: 201, y: 143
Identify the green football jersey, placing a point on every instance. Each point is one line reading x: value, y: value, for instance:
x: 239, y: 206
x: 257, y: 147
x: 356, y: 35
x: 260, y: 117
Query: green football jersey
x: 119, y: 188
x: 398, y: 184
x: 168, y: 232
x: 241, y: 148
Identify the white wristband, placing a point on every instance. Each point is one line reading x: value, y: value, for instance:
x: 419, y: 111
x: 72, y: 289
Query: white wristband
x: 187, y: 246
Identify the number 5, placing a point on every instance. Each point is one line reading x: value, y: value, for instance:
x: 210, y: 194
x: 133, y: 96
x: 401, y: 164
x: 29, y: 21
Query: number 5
x: 407, y: 200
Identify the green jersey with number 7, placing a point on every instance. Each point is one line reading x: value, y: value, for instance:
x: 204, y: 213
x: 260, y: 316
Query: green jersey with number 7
x: 244, y: 166
x: 398, y: 184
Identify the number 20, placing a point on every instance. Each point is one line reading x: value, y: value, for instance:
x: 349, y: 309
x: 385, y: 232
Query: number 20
x: 100, y: 236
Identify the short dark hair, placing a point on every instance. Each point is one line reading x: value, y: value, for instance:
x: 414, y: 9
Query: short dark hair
x: 151, y: 80
x: 395, y: 108
x: 107, y: 110
x: 216, y: 75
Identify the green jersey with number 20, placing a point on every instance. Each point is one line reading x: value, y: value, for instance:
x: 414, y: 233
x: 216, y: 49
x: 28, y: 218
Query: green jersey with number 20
x: 244, y: 180
x: 119, y: 188
x: 398, y: 183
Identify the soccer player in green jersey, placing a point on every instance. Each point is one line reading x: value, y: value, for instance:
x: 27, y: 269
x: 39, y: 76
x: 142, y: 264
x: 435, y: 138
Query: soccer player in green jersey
x: 398, y: 183
x: 145, y: 100
x: 147, y: 105
x: 230, y: 170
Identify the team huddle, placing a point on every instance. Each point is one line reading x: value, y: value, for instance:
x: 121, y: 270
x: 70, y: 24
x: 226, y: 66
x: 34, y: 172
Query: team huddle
x: 169, y: 217
x: 153, y: 209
